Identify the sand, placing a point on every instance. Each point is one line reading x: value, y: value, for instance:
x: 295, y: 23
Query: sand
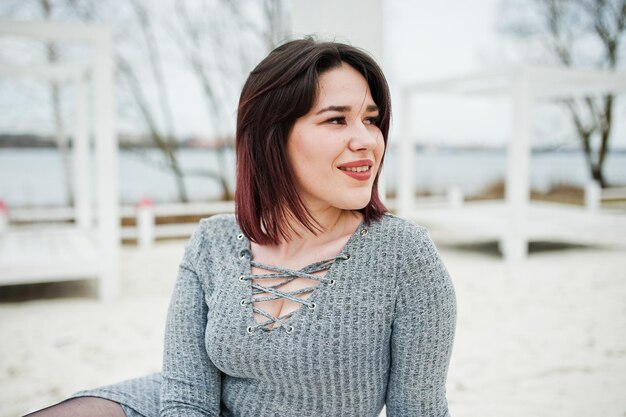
x: 546, y: 337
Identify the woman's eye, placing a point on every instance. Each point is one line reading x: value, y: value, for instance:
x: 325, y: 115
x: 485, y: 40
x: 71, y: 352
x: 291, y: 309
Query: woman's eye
x: 337, y: 120
x: 372, y: 120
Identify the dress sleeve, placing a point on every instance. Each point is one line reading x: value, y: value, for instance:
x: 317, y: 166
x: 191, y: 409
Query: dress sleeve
x: 422, y: 331
x: 191, y: 384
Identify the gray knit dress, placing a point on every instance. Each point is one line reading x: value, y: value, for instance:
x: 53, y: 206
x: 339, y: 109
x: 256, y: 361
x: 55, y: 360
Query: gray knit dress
x: 377, y: 330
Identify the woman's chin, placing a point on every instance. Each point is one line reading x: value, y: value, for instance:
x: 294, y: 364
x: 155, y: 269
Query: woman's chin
x: 355, y: 204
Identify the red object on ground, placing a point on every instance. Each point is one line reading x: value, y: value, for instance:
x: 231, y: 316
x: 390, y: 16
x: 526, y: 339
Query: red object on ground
x: 145, y: 202
x: 3, y: 208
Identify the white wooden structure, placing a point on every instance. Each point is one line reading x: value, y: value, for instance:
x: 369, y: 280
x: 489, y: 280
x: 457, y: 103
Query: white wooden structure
x: 90, y: 246
x: 523, y: 86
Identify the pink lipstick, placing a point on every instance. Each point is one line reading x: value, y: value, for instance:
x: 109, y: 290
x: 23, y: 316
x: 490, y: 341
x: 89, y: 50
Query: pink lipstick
x: 359, y: 170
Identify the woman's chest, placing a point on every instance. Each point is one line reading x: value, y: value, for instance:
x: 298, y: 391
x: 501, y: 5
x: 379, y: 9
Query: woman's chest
x: 351, y: 315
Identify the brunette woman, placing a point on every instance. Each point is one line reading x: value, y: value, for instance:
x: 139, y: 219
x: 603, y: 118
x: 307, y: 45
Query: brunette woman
x: 312, y: 300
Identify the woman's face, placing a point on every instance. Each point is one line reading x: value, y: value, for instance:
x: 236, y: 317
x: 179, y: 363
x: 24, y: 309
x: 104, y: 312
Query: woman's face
x: 336, y: 148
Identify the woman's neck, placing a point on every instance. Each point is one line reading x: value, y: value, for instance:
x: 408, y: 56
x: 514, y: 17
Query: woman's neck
x: 335, y: 224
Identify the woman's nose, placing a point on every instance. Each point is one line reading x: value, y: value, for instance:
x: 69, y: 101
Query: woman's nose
x: 362, y: 138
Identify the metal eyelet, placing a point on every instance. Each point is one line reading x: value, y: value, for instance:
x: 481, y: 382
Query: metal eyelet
x: 242, y: 254
x: 347, y: 256
x: 289, y: 330
x: 331, y: 282
x: 243, y: 302
x: 312, y: 306
x: 363, y: 231
x: 249, y: 330
x: 242, y: 278
x: 240, y: 236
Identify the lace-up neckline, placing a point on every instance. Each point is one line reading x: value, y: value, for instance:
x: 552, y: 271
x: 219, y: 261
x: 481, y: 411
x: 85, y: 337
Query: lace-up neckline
x: 288, y: 275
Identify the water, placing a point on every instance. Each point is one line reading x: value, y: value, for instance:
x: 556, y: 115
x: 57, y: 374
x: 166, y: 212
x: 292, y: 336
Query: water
x: 33, y: 177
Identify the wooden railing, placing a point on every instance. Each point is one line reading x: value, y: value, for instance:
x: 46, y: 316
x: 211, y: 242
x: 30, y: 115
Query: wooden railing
x: 144, y: 221
x: 140, y: 222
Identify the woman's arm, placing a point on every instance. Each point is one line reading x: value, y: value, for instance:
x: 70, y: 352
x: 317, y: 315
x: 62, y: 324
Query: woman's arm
x: 423, y: 331
x: 191, y: 383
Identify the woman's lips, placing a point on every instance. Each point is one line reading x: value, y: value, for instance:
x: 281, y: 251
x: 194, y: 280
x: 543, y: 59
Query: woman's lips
x: 358, y: 175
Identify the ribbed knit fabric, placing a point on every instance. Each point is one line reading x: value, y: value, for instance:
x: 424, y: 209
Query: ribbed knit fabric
x: 382, y: 333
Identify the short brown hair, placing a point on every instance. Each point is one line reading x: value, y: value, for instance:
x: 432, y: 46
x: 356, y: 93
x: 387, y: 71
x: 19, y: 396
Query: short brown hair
x: 281, y: 89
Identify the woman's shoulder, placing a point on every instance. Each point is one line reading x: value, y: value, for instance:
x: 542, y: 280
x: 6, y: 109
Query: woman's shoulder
x: 416, y: 252
x: 408, y: 239
x: 399, y: 230
x: 212, y: 233
x: 219, y: 224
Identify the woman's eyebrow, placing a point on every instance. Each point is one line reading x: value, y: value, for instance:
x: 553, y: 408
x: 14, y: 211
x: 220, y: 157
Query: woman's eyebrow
x: 342, y: 109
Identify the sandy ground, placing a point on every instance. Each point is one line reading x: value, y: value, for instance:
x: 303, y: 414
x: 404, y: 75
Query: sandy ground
x: 543, y: 338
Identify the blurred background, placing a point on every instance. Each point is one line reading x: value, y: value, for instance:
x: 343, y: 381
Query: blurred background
x: 508, y: 143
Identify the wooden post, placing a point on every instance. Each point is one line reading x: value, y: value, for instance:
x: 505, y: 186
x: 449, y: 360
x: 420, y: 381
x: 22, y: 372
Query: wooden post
x: 593, y: 196
x: 4, y: 217
x: 514, y: 243
x: 145, y: 222
x: 106, y: 167
x: 455, y: 196
x: 81, y: 156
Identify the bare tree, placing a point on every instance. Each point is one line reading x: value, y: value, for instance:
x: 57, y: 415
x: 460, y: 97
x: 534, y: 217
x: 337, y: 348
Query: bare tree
x: 165, y: 140
x: 566, y: 29
x: 192, y: 41
x: 274, y: 26
x: 218, y: 54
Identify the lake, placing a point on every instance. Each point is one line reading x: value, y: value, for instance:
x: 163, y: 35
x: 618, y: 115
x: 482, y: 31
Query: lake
x: 33, y: 177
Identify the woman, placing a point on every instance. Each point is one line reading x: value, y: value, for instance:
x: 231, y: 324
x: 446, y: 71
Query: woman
x: 312, y: 301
